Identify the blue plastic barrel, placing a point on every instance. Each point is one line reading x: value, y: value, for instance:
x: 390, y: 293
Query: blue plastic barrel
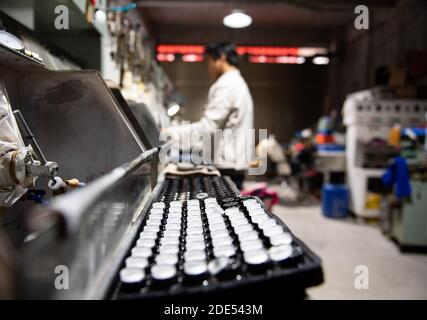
x: 334, y: 200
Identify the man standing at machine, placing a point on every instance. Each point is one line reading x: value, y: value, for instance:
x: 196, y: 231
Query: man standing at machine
x: 229, y: 107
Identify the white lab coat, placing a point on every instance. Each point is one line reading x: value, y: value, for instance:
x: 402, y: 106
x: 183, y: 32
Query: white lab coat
x: 229, y: 106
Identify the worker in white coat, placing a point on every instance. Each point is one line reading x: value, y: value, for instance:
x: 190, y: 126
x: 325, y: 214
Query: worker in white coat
x: 229, y: 108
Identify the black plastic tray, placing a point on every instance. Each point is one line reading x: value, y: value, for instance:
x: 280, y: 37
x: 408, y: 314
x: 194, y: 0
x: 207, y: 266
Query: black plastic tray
x: 290, y: 281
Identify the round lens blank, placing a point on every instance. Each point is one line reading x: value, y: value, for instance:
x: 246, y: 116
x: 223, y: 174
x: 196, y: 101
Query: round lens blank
x: 255, y: 257
x: 195, y: 268
x: 167, y: 258
x: 136, y: 262
x: 131, y: 275
x: 143, y: 252
x: 280, y: 253
x: 163, y: 271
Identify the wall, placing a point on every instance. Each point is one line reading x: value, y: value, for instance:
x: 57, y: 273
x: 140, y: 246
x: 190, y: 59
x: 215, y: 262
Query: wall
x: 392, y: 34
x: 286, y: 97
x: 22, y: 11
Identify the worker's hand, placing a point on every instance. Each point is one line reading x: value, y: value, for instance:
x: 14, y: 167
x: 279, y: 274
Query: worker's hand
x: 254, y: 164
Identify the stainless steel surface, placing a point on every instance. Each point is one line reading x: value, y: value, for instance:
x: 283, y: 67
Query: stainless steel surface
x: 77, y: 122
x: 86, y: 231
x: 73, y: 115
x: 18, y: 61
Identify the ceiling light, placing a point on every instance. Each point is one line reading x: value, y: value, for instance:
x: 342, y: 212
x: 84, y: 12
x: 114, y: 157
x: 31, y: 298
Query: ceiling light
x: 287, y: 60
x: 310, y: 52
x: 173, y: 109
x: 321, y: 60
x: 300, y: 60
x: 237, y: 19
x: 165, y: 57
x: 192, y: 58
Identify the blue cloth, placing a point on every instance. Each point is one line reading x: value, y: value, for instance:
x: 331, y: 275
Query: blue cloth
x: 398, y: 174
x: 330, y: 147
x: 420, y: 132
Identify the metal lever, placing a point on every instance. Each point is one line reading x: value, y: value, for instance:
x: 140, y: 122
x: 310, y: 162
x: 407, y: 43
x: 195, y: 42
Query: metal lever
x: 27, y: 134
x: 44, y: 167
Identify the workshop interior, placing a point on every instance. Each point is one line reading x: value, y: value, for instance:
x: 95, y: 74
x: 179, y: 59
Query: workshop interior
x: 95, y: 205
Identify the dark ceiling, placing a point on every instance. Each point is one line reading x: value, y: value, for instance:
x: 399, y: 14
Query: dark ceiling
x: 275, y: 22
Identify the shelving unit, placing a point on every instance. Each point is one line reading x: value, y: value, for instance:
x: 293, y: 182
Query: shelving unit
x: 367, y: 118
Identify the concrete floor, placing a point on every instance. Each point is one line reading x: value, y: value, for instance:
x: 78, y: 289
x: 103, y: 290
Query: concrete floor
x: 343, y: 245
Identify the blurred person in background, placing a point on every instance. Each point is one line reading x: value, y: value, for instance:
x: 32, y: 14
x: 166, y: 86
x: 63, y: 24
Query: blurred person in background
x: 229, y: 106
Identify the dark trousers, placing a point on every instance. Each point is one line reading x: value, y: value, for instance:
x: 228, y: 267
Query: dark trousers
x: 237, y: 176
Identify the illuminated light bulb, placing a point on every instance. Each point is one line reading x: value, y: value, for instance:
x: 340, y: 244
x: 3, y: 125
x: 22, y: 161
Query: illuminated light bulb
x: 237, y: 19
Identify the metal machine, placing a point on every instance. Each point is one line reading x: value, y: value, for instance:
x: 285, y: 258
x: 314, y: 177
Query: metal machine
x: 21, y: 164
x: 368, y: 117
x: 90, y: 232
x: 408, y: 219
x: 76, y: 122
